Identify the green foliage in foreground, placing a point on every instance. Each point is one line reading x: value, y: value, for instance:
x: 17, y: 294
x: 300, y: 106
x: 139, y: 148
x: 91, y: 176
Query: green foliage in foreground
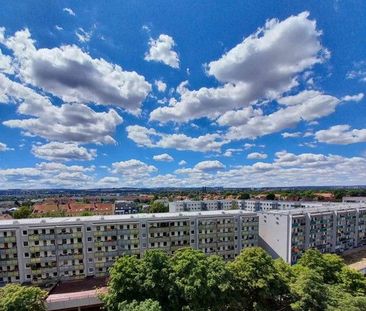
x: 15, y: 297
x: 190, y: 280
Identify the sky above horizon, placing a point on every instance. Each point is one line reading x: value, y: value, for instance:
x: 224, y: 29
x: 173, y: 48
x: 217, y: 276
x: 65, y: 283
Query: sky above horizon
x: 104, y: 94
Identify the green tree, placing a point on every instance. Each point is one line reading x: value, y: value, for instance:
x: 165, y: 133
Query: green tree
x: 158, y: 207
x: 200, y: 282
x: 271, y: 196
x: 341, y: 300
x: 22, y: 212
x: 244, y: 196
x: 328, y: 265
x: 309, y: 290
x: 155, y: 270
x: 124, y: 283
x: 15, y: 297
x: 256, y: 281
x: 146, y: 305
x: 352, y: 281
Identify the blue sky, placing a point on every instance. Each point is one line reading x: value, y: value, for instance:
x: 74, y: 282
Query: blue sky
x: 199, y: 93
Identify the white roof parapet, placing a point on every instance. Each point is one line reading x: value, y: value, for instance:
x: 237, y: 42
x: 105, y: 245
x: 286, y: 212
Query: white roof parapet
x: 332, y: 207
x: 109, y: 218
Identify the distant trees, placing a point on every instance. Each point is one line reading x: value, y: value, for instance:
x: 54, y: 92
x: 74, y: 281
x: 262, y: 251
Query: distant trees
x: 244, y: 196
x: 158, y: 207
x: 22, y: 212
x: 190, y: 280
x: 271, y: 196
x: 15, y: 297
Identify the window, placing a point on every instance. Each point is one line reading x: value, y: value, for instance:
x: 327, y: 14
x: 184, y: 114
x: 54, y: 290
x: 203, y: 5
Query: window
x: 25, y: 232
x: 25, y: 243
x: 88, y: 228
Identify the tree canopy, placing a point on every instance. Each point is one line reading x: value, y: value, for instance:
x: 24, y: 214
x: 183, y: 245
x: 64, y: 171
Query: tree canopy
x: 15, y: 297
x: 253, y: 281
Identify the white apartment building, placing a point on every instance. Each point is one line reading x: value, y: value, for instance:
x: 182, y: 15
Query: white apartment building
x: 266, y: 205
x: 204, y: 205
x: 354, y: 199
x: 46, y: 250
x: 330, y: 229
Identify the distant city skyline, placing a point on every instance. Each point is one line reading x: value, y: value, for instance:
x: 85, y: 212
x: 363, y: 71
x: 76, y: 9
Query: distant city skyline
x: 194, y: 94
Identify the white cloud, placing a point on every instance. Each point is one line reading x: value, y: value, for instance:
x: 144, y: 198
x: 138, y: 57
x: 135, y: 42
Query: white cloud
x: 109, y: 181
x: 56, y: 151
x: 341, y: 135
x: 229, y: 152
x: 164, y: 157
x: 264, y: 66
x: 133, y: 168
x: 291, y: 135
x: 68, y: 123
x: 305, y: 106
x: 46, y: 175
x: 6, y: 63
x: 238, y: 117
x: 182, y: 162
x: 59, y: 28
x: 355, y: 98
x: 69, y: 11
x: 82, y: 35
x: 74, y: 76
x: 257, y: 156
x: 248, y: 146
x: 161, y: 50
x: 358, y: 72
x: 209, y: 166
x: 149, y: 137
x: 4, y: 147
x: 160, y: 85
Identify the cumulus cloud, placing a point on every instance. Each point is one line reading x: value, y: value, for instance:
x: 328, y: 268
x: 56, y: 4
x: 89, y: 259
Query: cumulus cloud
x: 6, y: 65
x: 69, y: 11
x: 354, y: 98
x: 341, y: 135
x: 133, y: 169
x: 182, y: 162
x: 161, y: 50
x: 291, y: 135
x: 46, y: 175
x: 56, y: 151
x: 149, y: 137
x: 305, y: 106
x: 68, y: 123
x: 209, y: 166
x: 257, y: 156
x: 74, y: 76
x: 4, y: 147
x: 164, y: 157
x: 264, y: 66
x: 160, y: 85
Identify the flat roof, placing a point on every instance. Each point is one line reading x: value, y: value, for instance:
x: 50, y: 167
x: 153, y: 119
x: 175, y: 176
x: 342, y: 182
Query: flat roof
x: 318, y: 209
x: 131, y: 217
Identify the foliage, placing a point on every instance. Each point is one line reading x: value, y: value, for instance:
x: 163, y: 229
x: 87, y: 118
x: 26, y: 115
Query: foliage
x: 14, y: 297
x: 253, y: 281
x: 271, y: 196
x: 22, y: 212
x: 309, y: 290
x: 146, y: 305
x: 244, y: 196
x: 157, y: 207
